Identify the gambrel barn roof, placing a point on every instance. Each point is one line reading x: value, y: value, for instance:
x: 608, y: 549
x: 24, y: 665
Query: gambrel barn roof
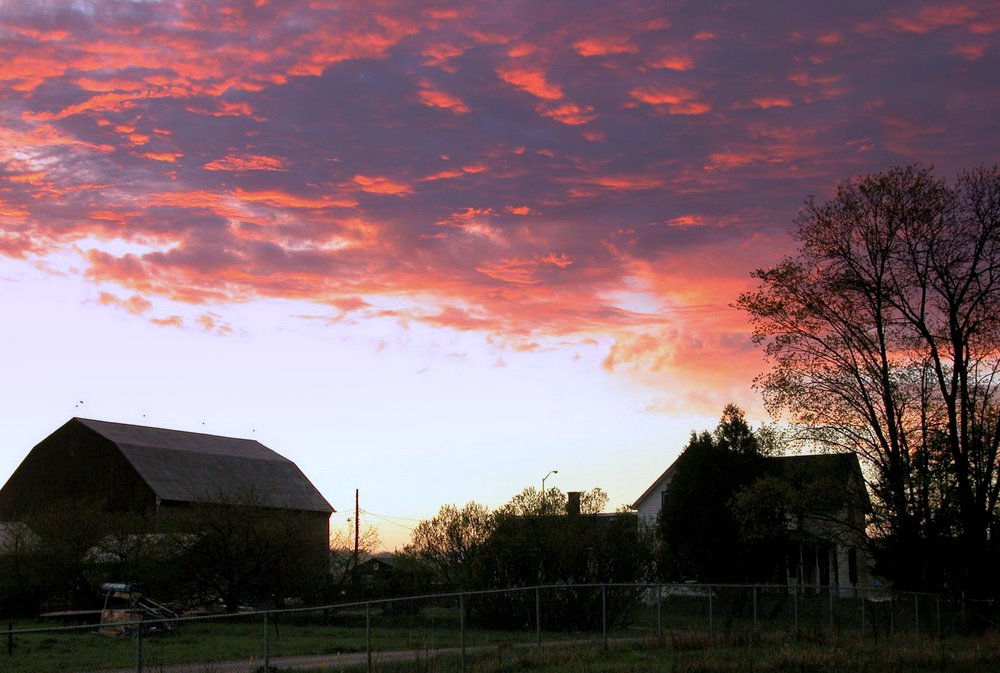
x: 174, y: 465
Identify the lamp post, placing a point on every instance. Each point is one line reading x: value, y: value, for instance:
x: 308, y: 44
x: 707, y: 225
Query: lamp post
x: 541, y: 502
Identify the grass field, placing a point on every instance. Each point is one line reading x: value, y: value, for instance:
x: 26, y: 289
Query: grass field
x: 830, y: 638
x: 500, y: 652
x: 205, y: 641
x: 695, y: 653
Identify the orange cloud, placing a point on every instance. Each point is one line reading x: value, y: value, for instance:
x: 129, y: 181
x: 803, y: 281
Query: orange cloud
x: 522, y: 271
x: 933, y: 16
x: 169, y: 321
x: 625, y: 183
x: 285, y: 200
x: 246, y: 162
x: 26, y: 72
x: 604, y: 46
x: 444, y: 175
x: 531, y: 80
x: 561, y: 260
x: 679, y: 63
x: 456, y: 318
x: 348, y: 304
x: 109, y: 85
x: 686, y: 221
x: 439, y: 54
x: 168, y: 157
x: 106, y: 102
x: 677, y: 101
x: 969, y: 52
x: 382, y: 185
x: 570, y: 114
x: 514, y: 271
x: 440, y: 99
x: 135, y: 304
x: 32, y: 178
x: 210, y: 323
x: 765, y: 103
x: 466, y: 215
x: 828, y: 86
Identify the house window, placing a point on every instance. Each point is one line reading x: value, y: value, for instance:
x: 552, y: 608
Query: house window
x: 852, y: 565
x: 663, y: 498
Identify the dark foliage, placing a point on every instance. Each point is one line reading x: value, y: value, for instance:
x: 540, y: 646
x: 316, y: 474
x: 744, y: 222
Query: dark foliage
x: 706, y: 532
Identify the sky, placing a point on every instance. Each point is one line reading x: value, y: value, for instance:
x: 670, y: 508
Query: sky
x: 434, y: 251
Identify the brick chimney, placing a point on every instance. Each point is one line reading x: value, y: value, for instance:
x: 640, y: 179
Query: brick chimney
x: 573, y: 503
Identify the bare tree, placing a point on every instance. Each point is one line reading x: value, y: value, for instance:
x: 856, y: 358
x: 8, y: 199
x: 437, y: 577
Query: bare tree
x: 243, y: 551
x: 883, y: 337
x: 450, y: 540
x: 343, y: 559
x: 531, y: 501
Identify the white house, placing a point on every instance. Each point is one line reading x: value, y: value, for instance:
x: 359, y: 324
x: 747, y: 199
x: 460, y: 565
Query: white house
x: 826, y: 522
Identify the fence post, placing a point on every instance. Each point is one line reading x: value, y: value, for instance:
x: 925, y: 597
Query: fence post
x: 538, y: 618
x: 461, y: 625
x: 916, y: 613
x: 862, y: 615
x: 138, y: 647
x: 832, y: 622
x: 368, y: 635
x: 604, y: 614
x: 795, y: 609
x: 267, y: 645
x: 938, y: 617
x: 754, y: 590
x: 659, y: 615
x: 711, y: 630
x: 10, y: 639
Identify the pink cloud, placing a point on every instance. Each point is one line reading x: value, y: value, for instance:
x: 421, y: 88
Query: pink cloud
x: 677, y: 101
x: 570, y: 114
x: 675, y: 62
x: 933, y: 16
x: 245, y: 162
x: 382, y: 185
x: 530, y: 79
x: 605, y: 46
x: 255, y: 160
x: 435, y: 98
x: 135, y: 304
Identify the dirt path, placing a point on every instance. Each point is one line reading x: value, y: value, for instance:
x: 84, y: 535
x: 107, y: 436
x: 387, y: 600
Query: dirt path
x: 309, y: 662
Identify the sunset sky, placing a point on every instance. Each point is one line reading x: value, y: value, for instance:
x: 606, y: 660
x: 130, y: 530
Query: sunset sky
x: 434, y: 250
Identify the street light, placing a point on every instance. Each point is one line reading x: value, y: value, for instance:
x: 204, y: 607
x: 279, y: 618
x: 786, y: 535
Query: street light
x: 542, y: 501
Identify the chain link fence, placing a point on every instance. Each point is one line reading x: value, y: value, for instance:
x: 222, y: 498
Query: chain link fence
x: 460, y: 629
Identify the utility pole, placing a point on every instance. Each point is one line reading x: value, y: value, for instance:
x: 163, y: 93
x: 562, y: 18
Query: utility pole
x: 357, y: 526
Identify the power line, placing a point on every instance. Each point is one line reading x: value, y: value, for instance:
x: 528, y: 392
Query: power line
x: 388, y: 520
x: 393, y: 516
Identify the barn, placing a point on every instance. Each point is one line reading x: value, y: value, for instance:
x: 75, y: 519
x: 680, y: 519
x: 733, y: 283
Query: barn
x: 134, y: 468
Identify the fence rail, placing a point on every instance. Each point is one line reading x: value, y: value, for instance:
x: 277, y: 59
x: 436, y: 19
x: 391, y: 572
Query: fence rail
x: 462, y: 625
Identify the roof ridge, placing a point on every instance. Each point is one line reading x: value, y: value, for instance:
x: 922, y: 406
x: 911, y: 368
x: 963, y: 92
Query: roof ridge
x: 87, y: 421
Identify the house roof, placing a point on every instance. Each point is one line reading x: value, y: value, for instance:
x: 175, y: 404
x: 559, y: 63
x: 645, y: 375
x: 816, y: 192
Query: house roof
x: 655, y: 485
x: 195, y: 467
x: 819, y: 471
x: 799, y: 470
